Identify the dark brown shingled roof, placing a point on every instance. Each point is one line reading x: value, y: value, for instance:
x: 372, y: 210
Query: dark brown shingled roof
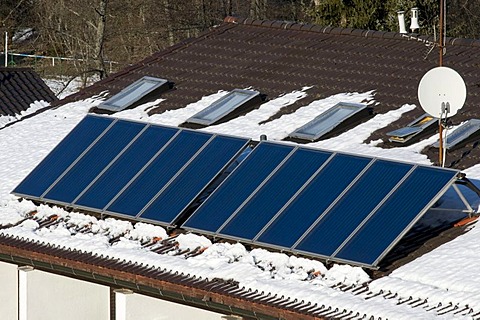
x: 276, y: 57
x: 19, y: 87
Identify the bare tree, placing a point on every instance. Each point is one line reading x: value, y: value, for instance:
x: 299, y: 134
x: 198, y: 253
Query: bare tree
x: 100, y: 37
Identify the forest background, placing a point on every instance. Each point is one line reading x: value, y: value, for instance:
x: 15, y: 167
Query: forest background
x: 106, y: 35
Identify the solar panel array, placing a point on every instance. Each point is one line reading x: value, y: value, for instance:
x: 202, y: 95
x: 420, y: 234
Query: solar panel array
x: 334, y: 206
x: 330, y: 205
x: 130, y: 169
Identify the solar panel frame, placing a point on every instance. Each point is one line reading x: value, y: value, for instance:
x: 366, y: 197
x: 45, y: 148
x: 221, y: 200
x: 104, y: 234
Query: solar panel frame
x: 172, y: 179
x: 412, y: 222
x: 146, y: 181
x: 76, y: 203
x: 321, y: 218
x: 332, y: 256
x: 111, y: 163
x: 91, y: 161
x: 357, y: 173
x: 140, y: 171
x: 281, y: 169
x: 166, y: 188
x: 294, y: 250
x: 76, y: 161
x: 224, y: 183
x: 52, y: 154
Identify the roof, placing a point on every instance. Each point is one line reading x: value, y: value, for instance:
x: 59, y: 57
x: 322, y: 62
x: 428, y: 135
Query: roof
x: 19, y: 87
x: 275, y: 58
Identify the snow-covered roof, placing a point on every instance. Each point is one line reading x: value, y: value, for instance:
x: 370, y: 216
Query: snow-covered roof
x: 420, y: 289
x: 305, y: 70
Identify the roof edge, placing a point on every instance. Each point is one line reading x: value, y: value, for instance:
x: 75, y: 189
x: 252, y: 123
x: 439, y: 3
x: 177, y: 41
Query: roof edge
x: 348, y: 31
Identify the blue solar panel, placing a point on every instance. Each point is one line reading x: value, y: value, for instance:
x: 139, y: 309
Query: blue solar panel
x: 94, y: 161
x: 275, y: 193
x: 157, y: 175
x: 330, y: 182
x: 343, y: 218
x: 238, y: 187
x: 152, y: 140
x: 64, y: 154
x: 400, y: 211
x: 193, y: 180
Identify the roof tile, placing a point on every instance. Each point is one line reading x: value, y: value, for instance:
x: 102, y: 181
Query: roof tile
x: 276, y: 57
x: 22, y: 87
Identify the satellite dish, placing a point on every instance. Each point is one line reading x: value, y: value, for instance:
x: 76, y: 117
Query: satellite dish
x: 442, y: 92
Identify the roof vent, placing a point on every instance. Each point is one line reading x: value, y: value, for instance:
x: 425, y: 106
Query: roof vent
x: 401, y: 21
x: 414, y: 21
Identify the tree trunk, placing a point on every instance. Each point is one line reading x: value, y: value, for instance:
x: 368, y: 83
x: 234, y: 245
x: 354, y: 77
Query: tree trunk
x: 102, y: 17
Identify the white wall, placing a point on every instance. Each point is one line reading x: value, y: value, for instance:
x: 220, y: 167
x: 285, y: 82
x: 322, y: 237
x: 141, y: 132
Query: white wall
x: 53, y: 297
x: 8, y: 291
x: 134, y: 306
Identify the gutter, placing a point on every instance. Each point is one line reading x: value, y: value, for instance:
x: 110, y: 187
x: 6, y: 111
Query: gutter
x: 216, y: 295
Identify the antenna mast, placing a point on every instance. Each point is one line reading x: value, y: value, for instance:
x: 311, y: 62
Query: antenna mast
x: 440, y: 62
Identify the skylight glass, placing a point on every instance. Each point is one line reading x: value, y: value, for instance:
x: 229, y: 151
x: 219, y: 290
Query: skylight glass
x: 327, y: 121
x: 412, y: 129
x: 461, y: 133
x: 132, y: 93
x: 223, y: 106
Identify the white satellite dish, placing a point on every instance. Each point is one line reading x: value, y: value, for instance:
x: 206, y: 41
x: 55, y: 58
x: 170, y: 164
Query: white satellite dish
x: 442, y: 92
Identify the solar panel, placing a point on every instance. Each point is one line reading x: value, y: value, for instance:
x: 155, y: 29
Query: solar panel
x: 327, y: 186
x: 397, y: 214
x: 336, y: 224
x: 223, y: 106
x: 320, y: 203
x: 327, y: 121
x: 93, y: 161
x: 111, y: 182
x: 131, y: 94
x: 274, y: 193
x: 204, y: 168
x: 62, y: 156
x: 238, y: 187
x: 129, y: 168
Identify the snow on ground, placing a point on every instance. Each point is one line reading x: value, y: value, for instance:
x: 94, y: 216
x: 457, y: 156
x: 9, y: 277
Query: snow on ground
x: 438, y: 275
x: 64, y: 86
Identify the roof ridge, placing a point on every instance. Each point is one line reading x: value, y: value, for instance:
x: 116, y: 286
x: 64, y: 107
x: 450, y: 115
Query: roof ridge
x: 298, y: 26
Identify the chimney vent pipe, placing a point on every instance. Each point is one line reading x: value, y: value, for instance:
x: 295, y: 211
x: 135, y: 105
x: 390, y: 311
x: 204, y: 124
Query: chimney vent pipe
x: 414, y: 21
x: 401, y: 21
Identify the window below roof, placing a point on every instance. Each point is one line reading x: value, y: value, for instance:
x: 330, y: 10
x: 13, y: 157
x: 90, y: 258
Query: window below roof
x: 133, y: 93
x: 462, y: 134
x: 327, y: 121
x: 224, y: 106
x: 413, y: 129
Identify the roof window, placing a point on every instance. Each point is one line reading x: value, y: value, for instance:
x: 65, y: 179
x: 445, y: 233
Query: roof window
x: 413, y: 129
x: 327, y: 121
x: 232, y: 103
x: 133, y: 93
x: 461, y: 135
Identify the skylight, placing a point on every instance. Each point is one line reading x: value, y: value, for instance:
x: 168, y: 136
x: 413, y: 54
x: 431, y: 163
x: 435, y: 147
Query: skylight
x: 412, y: 129
x: 223, y: 106
x: 132, y: 93
x: 327, y: 121
x: 461, y: 134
